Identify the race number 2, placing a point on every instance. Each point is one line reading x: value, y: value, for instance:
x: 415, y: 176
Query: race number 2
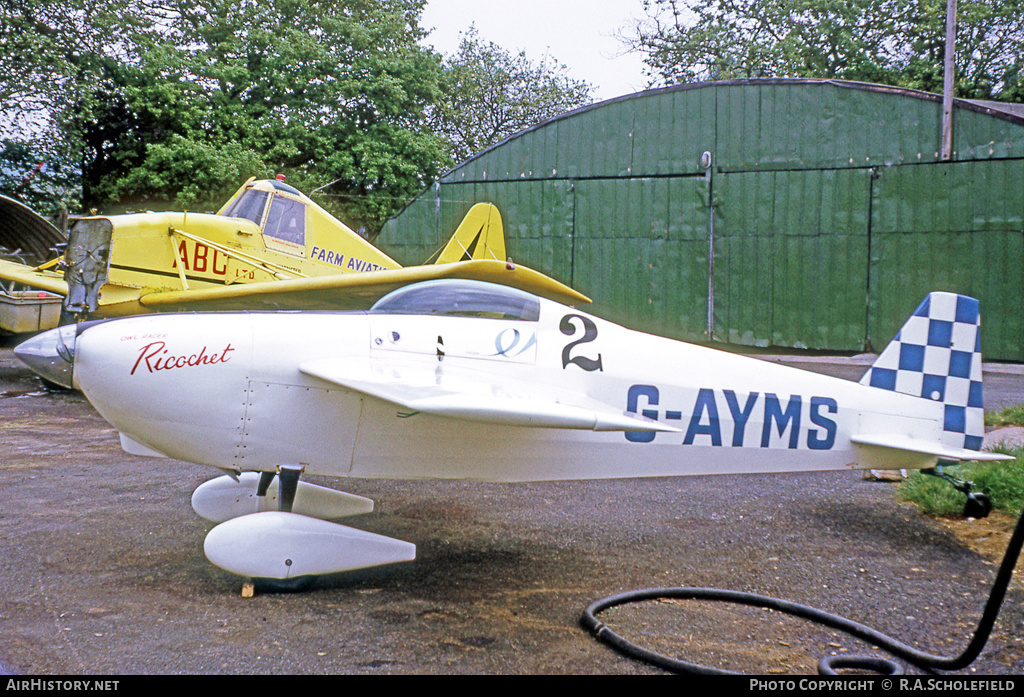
x: 567, y: 327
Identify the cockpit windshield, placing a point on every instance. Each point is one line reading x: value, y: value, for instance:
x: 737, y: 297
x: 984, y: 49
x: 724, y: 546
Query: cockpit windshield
x: 287, y: 220
x: 249, y: 205
x: 458, y: 298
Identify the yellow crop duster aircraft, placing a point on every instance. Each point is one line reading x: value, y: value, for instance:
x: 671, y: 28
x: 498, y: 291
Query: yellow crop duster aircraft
x: 269, y: 247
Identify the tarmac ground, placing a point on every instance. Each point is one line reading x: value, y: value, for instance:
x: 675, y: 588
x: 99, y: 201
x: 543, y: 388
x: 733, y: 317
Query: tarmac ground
x: 103, y: 573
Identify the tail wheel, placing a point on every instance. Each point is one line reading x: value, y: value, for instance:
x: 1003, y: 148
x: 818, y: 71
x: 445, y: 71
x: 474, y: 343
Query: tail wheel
x: 977, y: 506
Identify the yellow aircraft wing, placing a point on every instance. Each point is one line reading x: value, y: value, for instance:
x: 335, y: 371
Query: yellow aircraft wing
x: 475, y: 252
x: 34, y: 277
x: 354, y: 290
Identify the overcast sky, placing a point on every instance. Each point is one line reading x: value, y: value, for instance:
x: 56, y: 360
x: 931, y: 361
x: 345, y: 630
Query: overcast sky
x: 578, y: 33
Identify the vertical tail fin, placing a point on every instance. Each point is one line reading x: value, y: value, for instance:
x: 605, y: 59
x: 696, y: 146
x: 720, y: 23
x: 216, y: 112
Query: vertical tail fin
x: 937, y: 356
x: 479, y: 236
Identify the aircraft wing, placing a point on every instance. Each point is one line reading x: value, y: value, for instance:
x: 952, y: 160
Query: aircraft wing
x: 916, y: 445
x: 475, y: 395
x: 349, y: 291
x: 33, y: 277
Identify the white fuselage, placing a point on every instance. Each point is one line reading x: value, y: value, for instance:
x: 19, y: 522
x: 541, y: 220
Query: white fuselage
x: 227, y: 390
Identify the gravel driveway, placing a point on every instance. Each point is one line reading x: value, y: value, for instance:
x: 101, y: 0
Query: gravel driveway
x: 102, y: 570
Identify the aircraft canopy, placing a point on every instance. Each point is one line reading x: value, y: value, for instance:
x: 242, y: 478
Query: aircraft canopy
x: 460, y: 298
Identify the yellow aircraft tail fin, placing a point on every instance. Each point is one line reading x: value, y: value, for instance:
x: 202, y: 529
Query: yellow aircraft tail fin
x: 479, y: 236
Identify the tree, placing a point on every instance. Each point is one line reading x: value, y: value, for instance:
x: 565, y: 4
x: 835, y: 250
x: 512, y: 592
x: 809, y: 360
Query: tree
x: 181, y: 101
x: 48, y: 49
x: 37, y: 180
x: 895, y: 42
x: 488, y: 94
x: 178, y: 102
x: 50, y: 52
x: 330, y: 93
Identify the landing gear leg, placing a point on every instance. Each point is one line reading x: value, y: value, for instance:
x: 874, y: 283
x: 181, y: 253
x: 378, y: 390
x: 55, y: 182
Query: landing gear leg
x: 978, y: 505
x: 289, y: 476
x: 265, y: 479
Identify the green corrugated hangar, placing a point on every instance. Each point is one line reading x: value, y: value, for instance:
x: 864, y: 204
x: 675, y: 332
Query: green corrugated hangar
x: 809, y: 214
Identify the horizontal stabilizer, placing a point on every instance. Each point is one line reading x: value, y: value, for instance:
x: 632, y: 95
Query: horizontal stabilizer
x: 476, y: 397
x: 225, y: 498
x: 915, y: 445
x: 281, y: 545
x: 32, y: 277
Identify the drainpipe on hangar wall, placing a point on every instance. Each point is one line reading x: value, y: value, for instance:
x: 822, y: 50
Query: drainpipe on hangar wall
x: 705, y: 163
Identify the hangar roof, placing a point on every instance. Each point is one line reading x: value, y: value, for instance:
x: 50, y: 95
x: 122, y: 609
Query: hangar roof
x: 748, y: 125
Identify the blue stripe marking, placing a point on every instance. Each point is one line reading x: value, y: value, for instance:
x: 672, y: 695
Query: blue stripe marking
x: 974, y: 398
x: 924, y: 308
x: 932, y: 384
x: 884, y: 378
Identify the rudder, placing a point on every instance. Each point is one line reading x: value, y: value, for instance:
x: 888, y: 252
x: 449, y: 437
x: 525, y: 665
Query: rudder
x: 937, y: 355
x: 479, y: 236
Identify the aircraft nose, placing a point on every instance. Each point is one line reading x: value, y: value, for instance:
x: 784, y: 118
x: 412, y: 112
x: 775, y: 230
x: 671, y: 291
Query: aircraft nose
x: 51, y: 355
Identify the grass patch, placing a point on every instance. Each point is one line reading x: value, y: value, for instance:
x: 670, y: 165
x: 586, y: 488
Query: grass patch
x: 1002, y: 482
x: 1007, y: 416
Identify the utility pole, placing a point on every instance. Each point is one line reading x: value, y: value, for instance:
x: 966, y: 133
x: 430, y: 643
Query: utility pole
x: 948, y: 76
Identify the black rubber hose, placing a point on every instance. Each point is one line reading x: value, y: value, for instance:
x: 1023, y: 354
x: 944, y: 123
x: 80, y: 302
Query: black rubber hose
x: 827, y: 665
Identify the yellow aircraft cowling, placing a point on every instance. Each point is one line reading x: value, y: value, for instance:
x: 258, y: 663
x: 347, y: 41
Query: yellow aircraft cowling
x: 131, y: 256
x: 172, y: 251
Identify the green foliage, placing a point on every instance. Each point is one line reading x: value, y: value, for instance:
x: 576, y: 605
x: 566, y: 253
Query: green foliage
x: 183, y: 101
x: 51, y: 52
x: 1007, y: 416
x: 47, y: 50
x: 1002, y: 482
x: 933, y: 496
x: 322, y: 91
x: 488, y: 94
x: 194, y: 175
x: 35, y: 179
x: 895, y: 42
x: 177, y: 103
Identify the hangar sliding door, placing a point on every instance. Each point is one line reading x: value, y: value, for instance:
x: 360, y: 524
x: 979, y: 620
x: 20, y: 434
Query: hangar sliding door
x: 640, y: 249
x: 791, y: 257
x: 958, y: 227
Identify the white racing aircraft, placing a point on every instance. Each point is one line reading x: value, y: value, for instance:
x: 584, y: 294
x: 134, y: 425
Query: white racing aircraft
x: 457, y: 379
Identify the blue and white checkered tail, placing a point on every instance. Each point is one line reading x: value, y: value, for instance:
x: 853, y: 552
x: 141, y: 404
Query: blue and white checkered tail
x: 937, y: 355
